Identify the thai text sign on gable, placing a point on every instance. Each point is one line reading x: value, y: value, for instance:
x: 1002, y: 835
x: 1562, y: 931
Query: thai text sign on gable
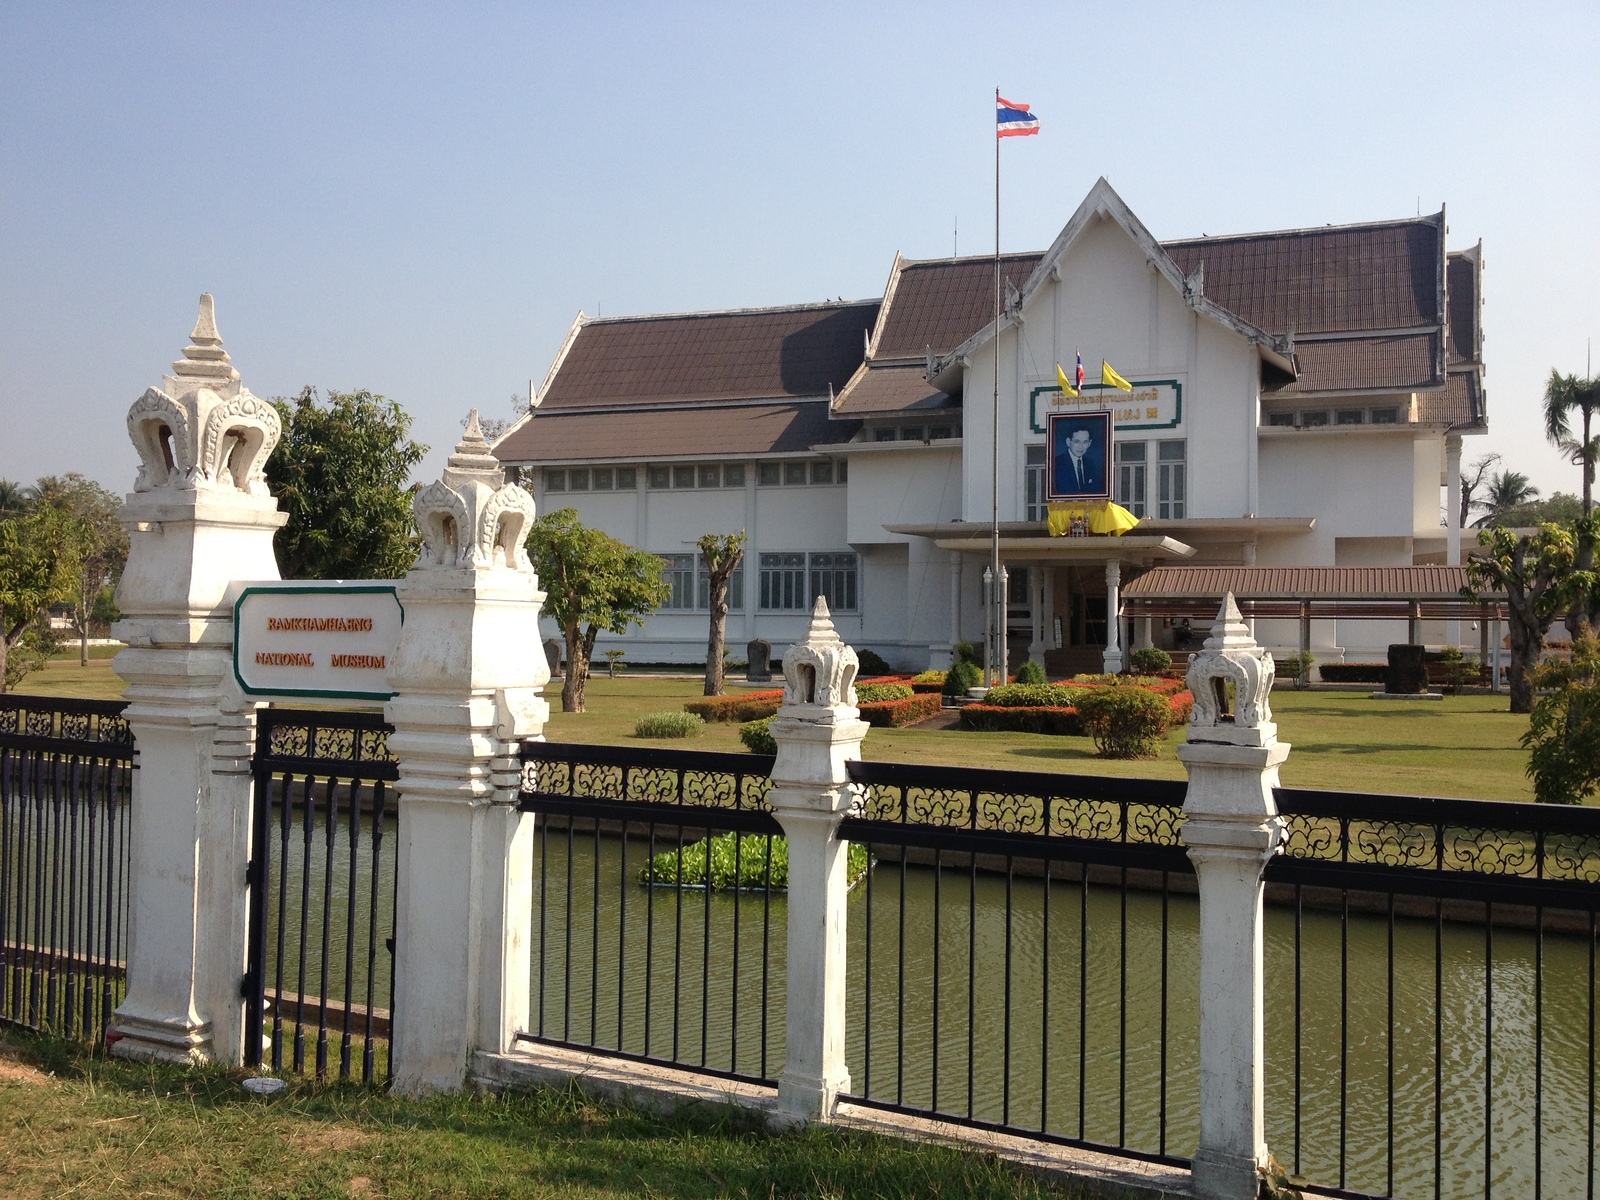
x: 334, y: 640
x: 1153, y: 404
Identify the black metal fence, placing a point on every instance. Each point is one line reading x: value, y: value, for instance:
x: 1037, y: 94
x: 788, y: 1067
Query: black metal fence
x: 1431, y: 995
x: 658, y: 906
x: 1020, y: 957
x: 65, y: 790
x: 322, y: 877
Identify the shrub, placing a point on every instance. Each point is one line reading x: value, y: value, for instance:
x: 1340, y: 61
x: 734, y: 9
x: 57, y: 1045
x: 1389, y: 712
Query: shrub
x: 907, y: 710
x: 872, y: 664
x: 1031, y: 672
x: 967, y: 652
x: 1125, y: 722
x: 757, y: 736
x: 1149, y: 660
x: 1343, y: 672
x: 960, y: 677
x: 928, y: 677
x: 993, y: 718
x: 1033, y: 695
x: 868, y: 693
x: 750, y: 706
x: 731, y: 860
x: 668, y: 725
x: 1563, y: 737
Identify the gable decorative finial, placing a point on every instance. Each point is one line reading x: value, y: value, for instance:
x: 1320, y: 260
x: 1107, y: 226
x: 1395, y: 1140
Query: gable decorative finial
x: 205, y: 324
x: 819, y: 673
x: 1231, y: 655
x: 470, y: 518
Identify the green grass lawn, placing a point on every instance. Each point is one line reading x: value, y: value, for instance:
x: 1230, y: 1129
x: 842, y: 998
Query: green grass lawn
x: 76, y: 1124
x: 1460, y: 746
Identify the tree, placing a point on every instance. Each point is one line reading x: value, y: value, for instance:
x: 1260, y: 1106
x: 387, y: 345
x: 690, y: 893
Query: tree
x: 1563, y: 738
x: 14, y: 499
x: 102, y: 545
x: 1507, y: 492
x: 722, y: 552
x: 339, y: 472
x: 38, y: 568
x: 592, y: 582
x: 1565, y: 395
x: 1471, y: 483
x: 1563, y: 508
x: 1536, y: 572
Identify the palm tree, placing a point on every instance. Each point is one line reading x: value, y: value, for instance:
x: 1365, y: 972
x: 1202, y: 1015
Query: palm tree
x: 1564, y: 394
x: 15, y: 499
x: 1507, y: 491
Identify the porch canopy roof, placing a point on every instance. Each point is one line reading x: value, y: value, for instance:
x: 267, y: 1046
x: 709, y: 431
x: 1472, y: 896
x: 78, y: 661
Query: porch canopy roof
x: 1374, y: 593
x: 1027, y: 541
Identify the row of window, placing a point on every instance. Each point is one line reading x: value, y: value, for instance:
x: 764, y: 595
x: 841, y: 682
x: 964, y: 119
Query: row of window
x: 789, y: 581
x: 1133, y: 474
x: 915, y: 433
x: 695, y: 475
x: 1315, y: 418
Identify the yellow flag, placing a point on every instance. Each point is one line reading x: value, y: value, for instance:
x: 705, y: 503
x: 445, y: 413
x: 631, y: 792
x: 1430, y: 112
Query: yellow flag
x: 1110, y: 378
x: 1066, y: 387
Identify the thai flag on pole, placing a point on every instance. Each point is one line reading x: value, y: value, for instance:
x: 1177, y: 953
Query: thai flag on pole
x: 1080, y: 371
x: 1014, y: 120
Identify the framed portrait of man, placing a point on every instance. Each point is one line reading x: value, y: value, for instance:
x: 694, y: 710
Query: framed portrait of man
x: 1080, y: 456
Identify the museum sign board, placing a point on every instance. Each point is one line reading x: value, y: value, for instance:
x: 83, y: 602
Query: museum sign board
x: 328, y: 639
x: 1153, y: 404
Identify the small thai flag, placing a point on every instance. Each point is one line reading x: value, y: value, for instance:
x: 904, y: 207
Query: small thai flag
x: 1014, y: 120
x: 1080, y: 372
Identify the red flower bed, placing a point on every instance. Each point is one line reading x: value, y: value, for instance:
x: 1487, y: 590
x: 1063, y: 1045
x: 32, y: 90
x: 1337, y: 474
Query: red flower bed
x: 907, y: 711
x: 747, y: 706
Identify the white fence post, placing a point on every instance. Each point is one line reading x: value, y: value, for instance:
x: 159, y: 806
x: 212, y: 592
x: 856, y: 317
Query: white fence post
x: 467, y: 675
x: 199, y: 517
x: 1231, y: 828
x: 818, y: 730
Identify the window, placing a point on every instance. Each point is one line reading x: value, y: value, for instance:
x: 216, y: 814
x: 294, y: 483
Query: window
x: 683, y: 477
x: 1314, y: 420
x: 783, y: 582
x: 1350, y: 416
x: 555, y: 480
x: 1034, y: 495
x: 939, y: 433
x: 822, y: 472
x: 883, y: 435
x: 702, y: 590
x: 627, y: 479
x: 1171, y: 480
x: 733, y: 475
x: 769, y: 474
x: 833, y: 577
x: 602, y: 478
x: 1131, y: 476
x: 1280, y: 420
x: 660, y: 477
x: 677, y: 570
x: 911, y: 433
x: 578, y: 479
x: 1385, y: 416
x: 844, y: 470
x: 794, y: 472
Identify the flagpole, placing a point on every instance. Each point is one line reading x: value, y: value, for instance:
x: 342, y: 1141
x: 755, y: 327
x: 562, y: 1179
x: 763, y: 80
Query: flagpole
x: 996, y: 636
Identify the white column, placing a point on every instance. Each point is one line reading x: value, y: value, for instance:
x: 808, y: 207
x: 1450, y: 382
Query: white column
x: 467, y: 675
x: 199, y: 517
x: 955, y: 605
x: 1452, y: 519
x: 1050, y: 609
x: 1112, y: 658
x: 1036, y: 606
x: 1231, y: 828
x: 818, y: 730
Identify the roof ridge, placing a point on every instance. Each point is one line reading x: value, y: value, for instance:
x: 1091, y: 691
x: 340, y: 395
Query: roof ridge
x: 970, y: 258
x: 831, y: 305
x: 1430, y: 219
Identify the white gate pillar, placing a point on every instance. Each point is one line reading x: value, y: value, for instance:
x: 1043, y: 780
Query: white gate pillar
x: 818, y: 730
x: 466, y: 675
x: 199, y: 517
x: 1231, y: 828
x: 1112, y: 657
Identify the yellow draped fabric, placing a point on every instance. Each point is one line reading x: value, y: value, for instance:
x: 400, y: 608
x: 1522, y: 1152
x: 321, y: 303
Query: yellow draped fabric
x: 1106, y: 518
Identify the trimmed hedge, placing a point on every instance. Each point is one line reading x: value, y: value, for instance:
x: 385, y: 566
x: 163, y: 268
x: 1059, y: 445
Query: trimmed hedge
x: 928, y: 677
x: 1033, y: 695
x: 757, y: 736
x: 1125, y: 722
x: 1054, y: 719
x: 671, y: 724
x: 750, y: 706
x: 1031, y: 672
x: 871, y: 693
x: 960, y: 677
x: 1150, y: 660
x: 907, y: 710
x: 1353, y: 672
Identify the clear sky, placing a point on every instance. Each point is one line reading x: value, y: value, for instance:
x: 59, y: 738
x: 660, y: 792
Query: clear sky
x: 417, y: 199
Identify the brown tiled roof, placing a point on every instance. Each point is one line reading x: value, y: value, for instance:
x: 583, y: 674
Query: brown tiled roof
x: 889, y: 389
x: 942, y: 302
x: 556, y: 437
x: 1351, y: 278
x: 1461, y: 402
x: 1461, y: 283
x: 751, y: 354
x: 1299, y: 583
x: 1360, y: 364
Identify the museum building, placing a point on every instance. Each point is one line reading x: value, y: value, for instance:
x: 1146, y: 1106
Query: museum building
x: 1299, y: 399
